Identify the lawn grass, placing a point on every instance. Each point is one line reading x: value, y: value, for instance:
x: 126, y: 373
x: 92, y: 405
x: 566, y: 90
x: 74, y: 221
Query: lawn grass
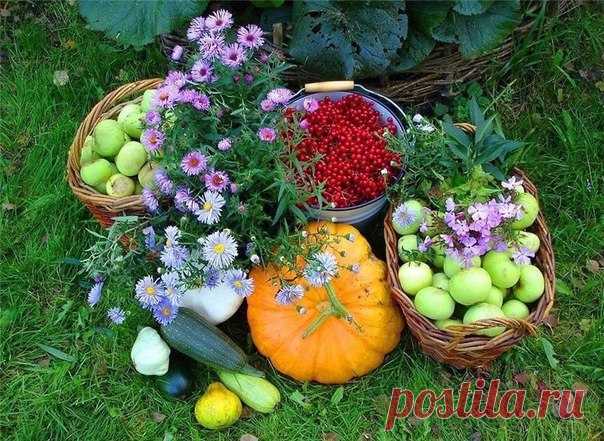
x: 95, y: 394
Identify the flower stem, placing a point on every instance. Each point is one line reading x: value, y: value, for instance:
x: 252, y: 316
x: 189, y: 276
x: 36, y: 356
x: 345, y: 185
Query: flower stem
x: 335, y: 309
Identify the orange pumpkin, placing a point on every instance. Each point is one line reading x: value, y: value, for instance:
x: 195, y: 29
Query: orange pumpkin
x: 333, y: 333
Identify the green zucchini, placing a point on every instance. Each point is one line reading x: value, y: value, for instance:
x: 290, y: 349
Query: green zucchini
x: 192, y: 335
x: 257, y: 393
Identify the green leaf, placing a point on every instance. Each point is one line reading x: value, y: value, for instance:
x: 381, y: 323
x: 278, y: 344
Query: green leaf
x: 476, y: 114
x: 445, y: 32
x: 485, y: 128
x: 457, y: 151
x: 137, y: 22
x: 415, y: 49
x: 549, y: 353
x: 337, y: 395
x: 300, y: 399
x: 492, y: 152
x: 563, y: 288
x: 457, y: 134
x: 425, y: 15
x: 471, y: 7
x: 57, y: 353
x: 490, y: 168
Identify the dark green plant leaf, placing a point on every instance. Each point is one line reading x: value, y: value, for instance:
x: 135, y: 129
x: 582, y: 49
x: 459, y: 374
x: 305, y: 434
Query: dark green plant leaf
x: 415, y: 49
x: 445, y: 32
x: 347, y: 39
x: 490, y: 168
x: 457, y: 134
x: 471, y: 7
x: 57, y: 353
x: 137, y: 22
x: 337, y: 395
x: 476, y: 114
x: 548, y: 348
x: 424, y: 16
x: 484, y: 129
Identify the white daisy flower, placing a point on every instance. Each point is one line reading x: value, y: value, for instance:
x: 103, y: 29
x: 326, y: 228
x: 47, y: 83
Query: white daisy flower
x: 210, y: 208
x: 321, y: 268
x: 219, y: 249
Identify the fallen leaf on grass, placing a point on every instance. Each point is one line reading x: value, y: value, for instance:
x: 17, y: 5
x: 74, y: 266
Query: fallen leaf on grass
x: 548, y: 348
x: 337, y: 395
x: 551, y: 321
x: 476, y: 436
x: 366, y: 436
x: 246, y: 413
x: 158, y: 417
x: 592, y: 266
x: 248, y: 437
x: 69, y: 44
x: 600, y: 86
x: 44, y: 362
x: 57, y: 353
x: 579, y: 386
x: 60, y: 78
x: 585, y: 325
x: 8, y: 206
x: 330, y: 436
x: 297, y: 397
x: 522, y: 378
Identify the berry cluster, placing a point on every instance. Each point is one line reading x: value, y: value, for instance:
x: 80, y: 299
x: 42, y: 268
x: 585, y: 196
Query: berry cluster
x: 355, y: 164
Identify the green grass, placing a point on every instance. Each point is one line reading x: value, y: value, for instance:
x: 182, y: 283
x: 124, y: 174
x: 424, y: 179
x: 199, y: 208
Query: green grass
x: 542, y: 98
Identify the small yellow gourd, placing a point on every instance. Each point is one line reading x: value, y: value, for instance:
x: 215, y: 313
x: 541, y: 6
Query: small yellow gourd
x: 218, y: 407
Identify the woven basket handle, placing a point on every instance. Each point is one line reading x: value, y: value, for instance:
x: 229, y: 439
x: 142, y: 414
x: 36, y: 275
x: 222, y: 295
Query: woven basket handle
x: 329, y: 86
x: 461, y: 331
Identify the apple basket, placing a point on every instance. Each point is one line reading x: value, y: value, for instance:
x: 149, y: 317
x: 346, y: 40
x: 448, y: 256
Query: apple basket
x: 104, y: 207
x: 458, y: 346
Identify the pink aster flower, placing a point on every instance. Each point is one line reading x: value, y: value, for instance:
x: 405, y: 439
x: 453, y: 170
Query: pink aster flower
x: 153, y: 140
x: 267, y: 134
x: 193, y: 163
x: 201, y: 102
x: 250, y: 36
x: 310, y: 104
x: 211, y: 46
x: 224, y: 144
x: 196, y: 28
x: 280, y: 95
x: 216, y: 181
x: 153, y: 118
x: 201, y: 72
x: 149, y: 200
x: 165, y: 96
x: 176, y: 53
x: 175, y: 78
x: 233, y: 55
x: 219, y: 21
x: 267, y: 105
x: 187, y: 96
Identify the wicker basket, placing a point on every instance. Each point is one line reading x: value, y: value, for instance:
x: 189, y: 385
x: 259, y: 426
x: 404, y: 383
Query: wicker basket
x: 456, y: 346
x: 103, y: 207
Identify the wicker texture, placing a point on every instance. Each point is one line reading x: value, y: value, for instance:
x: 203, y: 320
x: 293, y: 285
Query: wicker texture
x: 103, y: 207
x: 457, y: 346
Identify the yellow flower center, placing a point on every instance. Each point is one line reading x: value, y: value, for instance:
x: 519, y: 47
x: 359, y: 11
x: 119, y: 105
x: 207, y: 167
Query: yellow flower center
x: 238, y: 284
x: 166, y: 311
x: 150, y: 290
x: 207, y: 206
x: 219, y: 248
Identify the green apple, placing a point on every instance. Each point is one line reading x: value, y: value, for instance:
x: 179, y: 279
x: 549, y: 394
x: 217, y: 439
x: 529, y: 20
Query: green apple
x: 470, y: 286
x: 484, y: 311
x: 101, y: 188
x: 515, y: 309
x: 119, y: 186
x: 440, y: 280
x: 414, y: 276
x: 412, y: 217
x: 529, y: 241
x: 131, y: 158
x: 108, y: 138
x: 495, y: 296
x: 444, y: 324
x: 434, y: 303
x: 87, y: 155
x: 438, y: 257
x: 130, y: 120
x: 406, y: 244
x: 531, y: 284
x: 138, y: 189
x: 96, y: 172
x: 452, y: 266
x: 530, y: 209
x: 146, y: 175
x: 503, y: 272
x: 433, y: 219
x: 147, y: 99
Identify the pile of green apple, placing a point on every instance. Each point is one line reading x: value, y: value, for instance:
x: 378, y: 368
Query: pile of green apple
x: 112, y: 160
x: 493, y: 287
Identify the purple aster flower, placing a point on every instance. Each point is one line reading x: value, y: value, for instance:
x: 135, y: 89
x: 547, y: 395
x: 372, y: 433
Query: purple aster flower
x: 176, y: 53
x: 219, y: 20
x: 513, y: 184
x: 210, y: 209
x: 233, y: 187
x: 267, y: 105
x: 174, y: 256
x: 196, y: 28
x: 165, y: 96
x: 153, y: 140
x: 250, y: 36
x: 211, y: 46
x: 427, y: 243
x: 233, y: 55
x: 175, y: 78
x: 193, y: 163
x: 187, y: 96
x: 264, y: 57
x: 149, y: 200
x: 216, y: 181
x: 212, y: 277
x: 423, y: 227
x: 94, y: 295
x: 320, y: 269
x: 238, y: 281
x: 219, y: 249
x: 163, y: 181
x: 289, y: 294
x: 173, y: 288
x: 148, y: 291
x: 224, y: 144
x: 172, y: 234
x: 267, y: 134
x: 164, y: 312
x: 182, y: 198
x: 280, y: 95
x: 522, y: 256
x: 150, y: 238
x: 201, y: 102
x: 201, y: 72
x: 248, y: 79
x: 116, y: 315
x: 310, y: 104
x: 450, y: 204
x: 153, y: 118
x: 304, y: 124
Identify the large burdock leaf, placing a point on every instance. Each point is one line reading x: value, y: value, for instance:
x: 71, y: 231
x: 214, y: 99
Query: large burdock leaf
x: 416, y: 49
x: 347, y: 39
x: 137, y: 22
x: 471, y: 7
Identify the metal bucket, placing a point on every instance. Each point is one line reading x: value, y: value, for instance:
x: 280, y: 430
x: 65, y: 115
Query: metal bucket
x: 364, y: 213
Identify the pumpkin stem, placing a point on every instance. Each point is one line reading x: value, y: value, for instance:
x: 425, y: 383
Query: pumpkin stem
x: 336, y: 309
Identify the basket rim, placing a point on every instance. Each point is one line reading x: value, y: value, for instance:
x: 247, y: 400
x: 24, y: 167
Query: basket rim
x: 460, y: 348
x: 109, y: 105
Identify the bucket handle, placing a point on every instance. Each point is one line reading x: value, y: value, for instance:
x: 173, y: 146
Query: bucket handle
x: 328, y: 86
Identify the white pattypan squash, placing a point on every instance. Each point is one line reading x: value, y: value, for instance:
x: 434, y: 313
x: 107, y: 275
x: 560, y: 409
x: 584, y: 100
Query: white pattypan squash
x: 216, y: 305
x: 150, y: 354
